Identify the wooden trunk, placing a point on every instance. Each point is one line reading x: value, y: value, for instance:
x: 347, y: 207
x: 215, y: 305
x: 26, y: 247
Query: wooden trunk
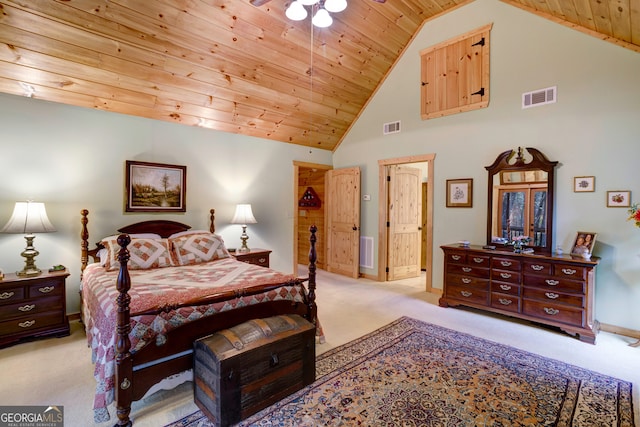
x: 243, y: 369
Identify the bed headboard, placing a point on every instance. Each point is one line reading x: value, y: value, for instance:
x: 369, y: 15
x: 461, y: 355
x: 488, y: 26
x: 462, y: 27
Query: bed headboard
x: 164, y: 228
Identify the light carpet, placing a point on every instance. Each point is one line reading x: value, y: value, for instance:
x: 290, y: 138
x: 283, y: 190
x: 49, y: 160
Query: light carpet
x: 413, y: 373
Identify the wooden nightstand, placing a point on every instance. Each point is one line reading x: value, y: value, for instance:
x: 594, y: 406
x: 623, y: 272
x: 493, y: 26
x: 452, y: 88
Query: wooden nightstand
x: 32, y: 307
x: 255, y: 256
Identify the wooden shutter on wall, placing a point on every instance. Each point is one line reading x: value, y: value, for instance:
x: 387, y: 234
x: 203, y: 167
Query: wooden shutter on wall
x: 455, y: 74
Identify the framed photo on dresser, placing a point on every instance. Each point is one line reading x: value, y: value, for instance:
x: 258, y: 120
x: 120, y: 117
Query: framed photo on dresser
x: 155, y: 187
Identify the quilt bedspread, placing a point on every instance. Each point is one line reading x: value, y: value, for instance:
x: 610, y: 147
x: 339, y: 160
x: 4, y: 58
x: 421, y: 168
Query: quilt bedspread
x: 161, y: 287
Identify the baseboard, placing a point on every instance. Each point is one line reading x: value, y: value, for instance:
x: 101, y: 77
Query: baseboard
x: 632, y: 333
x: 73, y: 316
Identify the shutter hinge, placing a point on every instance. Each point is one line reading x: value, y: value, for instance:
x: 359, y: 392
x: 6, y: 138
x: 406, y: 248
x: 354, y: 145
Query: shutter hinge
x: 480, y: 92
x: 480, y: 43
x: 388, y: 178
x: 386, y: 270
x: 388, y: 224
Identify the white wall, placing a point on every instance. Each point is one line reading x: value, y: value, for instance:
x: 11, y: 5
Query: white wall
x: 73, y: 158
x: 592, y: 130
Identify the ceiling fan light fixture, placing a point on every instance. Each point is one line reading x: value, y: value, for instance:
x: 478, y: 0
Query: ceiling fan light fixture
x: 335, y: 6
x: 322, y: 19
x: 296, y: 11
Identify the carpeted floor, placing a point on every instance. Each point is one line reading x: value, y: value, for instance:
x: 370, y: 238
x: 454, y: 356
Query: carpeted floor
x: 413, y: 373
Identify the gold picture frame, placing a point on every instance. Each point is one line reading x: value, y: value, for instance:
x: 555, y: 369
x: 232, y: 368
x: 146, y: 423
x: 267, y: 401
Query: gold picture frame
x: 155, y: 187
x: 584, y: 184
x: 619, y: 199
x: 460, y: 193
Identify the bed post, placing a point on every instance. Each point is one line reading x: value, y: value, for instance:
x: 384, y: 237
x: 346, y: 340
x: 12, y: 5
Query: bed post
x: 84, y: 243
x: 212, y: 221
x: 311, y: 302
x: 124, y: 364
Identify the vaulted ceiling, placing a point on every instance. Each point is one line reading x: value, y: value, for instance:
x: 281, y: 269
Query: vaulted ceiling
x: 234, y: 67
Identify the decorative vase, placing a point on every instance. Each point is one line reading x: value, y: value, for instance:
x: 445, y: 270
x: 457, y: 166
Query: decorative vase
x: 517, y: 246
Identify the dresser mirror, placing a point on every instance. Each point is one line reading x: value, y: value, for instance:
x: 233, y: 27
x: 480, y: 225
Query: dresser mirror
x: 520, y: 199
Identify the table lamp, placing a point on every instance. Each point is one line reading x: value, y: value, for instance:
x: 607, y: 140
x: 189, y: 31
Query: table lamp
x: 29, y: 218
x: 243, y: 216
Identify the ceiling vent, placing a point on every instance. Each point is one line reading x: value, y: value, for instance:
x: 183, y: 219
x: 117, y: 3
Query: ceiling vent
x: 539, y: 97
x: 391, y: 127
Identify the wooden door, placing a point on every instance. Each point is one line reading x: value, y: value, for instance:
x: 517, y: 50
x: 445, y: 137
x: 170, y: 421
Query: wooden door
x: 424, y: 247
x: 343, y: 221
x: 405, y: 222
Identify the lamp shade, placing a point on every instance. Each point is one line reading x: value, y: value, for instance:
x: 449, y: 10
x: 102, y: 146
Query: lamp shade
x: 335, y: 6
x: 243, y: 215
x: 28, y: 218
x: 296, y: 11
x: 322, y: 19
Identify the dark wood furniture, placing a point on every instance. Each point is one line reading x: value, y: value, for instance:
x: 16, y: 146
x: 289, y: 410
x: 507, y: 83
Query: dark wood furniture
x: 32, y: 307
x: 244, y: 369
x: 531, y: 175
x: 552, y: 290
x: 254, y: 256
x: 136, y: 374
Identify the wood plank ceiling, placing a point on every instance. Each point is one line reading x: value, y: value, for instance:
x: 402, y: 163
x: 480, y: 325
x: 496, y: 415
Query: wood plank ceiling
x: 233, y: 67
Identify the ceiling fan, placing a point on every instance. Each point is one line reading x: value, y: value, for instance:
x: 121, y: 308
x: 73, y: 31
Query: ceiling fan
x: 261, y: 2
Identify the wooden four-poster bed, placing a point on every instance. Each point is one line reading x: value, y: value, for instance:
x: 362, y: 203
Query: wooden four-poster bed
x: 155, y: 288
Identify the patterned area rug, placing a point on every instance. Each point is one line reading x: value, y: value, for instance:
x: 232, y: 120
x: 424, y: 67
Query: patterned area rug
x: 411, y: 373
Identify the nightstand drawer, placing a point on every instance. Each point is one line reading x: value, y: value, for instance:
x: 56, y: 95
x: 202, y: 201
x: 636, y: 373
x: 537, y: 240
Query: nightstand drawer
x: 9, y: 295
x: 31, y: 323
x: 29, y: 307
x: 255, y: 256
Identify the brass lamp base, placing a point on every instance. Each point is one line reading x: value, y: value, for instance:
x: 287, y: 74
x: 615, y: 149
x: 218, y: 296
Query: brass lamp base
x: 244, y: 237
x: 29, y: 255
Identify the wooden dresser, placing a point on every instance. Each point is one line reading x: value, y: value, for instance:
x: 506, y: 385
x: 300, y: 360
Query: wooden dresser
x: 553, y: 290
x: 32, y: 307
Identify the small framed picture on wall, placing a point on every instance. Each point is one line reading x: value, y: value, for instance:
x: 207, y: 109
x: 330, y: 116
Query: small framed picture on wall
x: 618, y: 199
x: 584, y: 184
x: 460, y: 193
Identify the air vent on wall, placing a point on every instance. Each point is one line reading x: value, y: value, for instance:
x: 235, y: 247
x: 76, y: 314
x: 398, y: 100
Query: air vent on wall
x: 391, y: 127
x: 366, y: 252
x: 539, y: 97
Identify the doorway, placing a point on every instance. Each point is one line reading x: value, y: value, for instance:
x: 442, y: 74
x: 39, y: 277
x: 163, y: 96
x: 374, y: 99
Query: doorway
x: 426, y: 218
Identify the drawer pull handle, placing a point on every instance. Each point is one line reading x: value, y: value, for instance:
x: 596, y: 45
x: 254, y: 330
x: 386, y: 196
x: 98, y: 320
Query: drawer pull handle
x: 551, y: 311
x: 569, y: 271
x: 466, y: 294
x: 552, y: 282
x: 456, y: 257
x: 46, y: 289
x: 6, y: 295
x: 27, y: 323
x: 505, y: 287
x: 466, y: 269
x: 505, y: 301
x: 466, y: 280
x: 478, y: 260
x: 27, y: 307
x: 262, y: 260
x: 505, y: 275
x: 551, y: 295
x: 506, y: 263
x: 537, y: 267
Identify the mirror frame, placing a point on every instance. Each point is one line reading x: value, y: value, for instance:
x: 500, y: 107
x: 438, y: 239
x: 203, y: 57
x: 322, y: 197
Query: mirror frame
x: 539, y: 161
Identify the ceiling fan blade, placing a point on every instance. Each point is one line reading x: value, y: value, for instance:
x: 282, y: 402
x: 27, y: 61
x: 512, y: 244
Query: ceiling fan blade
x: 259, y: 2
x: 380, y: 1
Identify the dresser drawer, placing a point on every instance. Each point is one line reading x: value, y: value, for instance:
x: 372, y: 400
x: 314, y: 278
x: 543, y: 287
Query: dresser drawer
x: 555, y: 284
x: 9, y: 295
x: 467, y: 270
x: 556, y: 297
x: 467, y: 294
x: 506, y: 264
x: 505, y: 276
x: 468, y: 281
x: 456, y: 257
x: 505, y: 302
x: 538, y: 267
x: 553, y: 312
x: 570, y: 272
x: 32, y: 322
x: 30, y: 307
x: 505, y: 288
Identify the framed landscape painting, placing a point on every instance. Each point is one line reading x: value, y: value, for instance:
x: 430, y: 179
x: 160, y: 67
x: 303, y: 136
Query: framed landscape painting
x: 155, y: 187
